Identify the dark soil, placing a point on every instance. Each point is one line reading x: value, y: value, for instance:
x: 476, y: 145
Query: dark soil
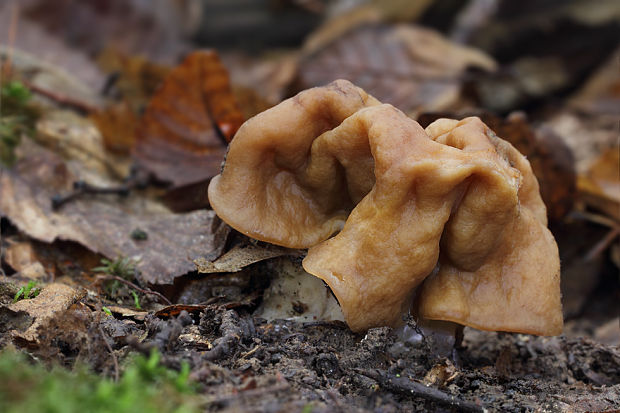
x: 243, y: 363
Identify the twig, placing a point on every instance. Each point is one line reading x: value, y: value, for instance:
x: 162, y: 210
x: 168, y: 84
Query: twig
x: 135, y: 287
x: 82, y: 188
x: 407, y: 387
x: 603, y: 244
x: 594, y: 218
x: 61, y: 99
x: 114, y: 359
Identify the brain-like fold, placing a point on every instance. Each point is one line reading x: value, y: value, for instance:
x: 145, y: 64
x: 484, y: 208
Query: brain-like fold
x: 451, y: 214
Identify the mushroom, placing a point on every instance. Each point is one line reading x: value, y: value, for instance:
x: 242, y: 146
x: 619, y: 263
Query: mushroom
x: 453, y: 209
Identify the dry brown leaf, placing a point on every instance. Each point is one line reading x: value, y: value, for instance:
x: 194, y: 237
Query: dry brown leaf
x: 19, y: 254
x: 587, y: 137
x: 155, y: 28
x: 104, y: 224
x: 34, y: 50
x: 178, y: 138
x: 600, y: 186
x: 76, y: 139
x: 601, y: 93
x: 260, y: 82
x: 53, y: 300
x: 136, y: 78
x: 127, y: 312
x: 240, y: 257
x: 117, y: 124
x: 412, y: 68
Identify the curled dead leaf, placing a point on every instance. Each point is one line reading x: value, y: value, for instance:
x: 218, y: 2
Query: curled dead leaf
x: 104, y: 224
x: 410, y: 67
x: 52, y: 301
x: 179, y: 134
x: 600, y: 186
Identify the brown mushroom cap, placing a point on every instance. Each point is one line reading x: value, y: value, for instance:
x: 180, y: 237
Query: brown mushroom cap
x: 268, y: 188
x: 334, y: 159
x: 517, y: 286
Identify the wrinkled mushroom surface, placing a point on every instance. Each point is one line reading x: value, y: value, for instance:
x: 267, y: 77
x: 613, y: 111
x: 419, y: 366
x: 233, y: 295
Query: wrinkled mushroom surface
x: 516, y: 286
x: 278, y: 186
x: 453, y: 205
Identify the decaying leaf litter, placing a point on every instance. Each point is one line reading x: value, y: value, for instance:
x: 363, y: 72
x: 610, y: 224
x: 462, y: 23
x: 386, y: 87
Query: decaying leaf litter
x: 180, y: 280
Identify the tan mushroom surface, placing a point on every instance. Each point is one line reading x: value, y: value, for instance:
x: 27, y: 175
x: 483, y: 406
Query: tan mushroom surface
x: 453, y: 205
x: 516, y: 287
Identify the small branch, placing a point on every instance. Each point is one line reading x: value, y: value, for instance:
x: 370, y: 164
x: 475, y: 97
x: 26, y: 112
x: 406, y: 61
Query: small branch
x: 135, y: 287
x: 114, y: 359
x: 82, y: 188
x: 603, y: 244
x: 410, y: 388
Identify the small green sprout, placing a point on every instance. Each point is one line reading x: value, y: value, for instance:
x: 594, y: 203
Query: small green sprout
x: 17, y: 118
x: 15, y: 93
x: 107, y: 311
x: 144, y: 386
x: 123, y: 267
x: 136, y: 300
x: 28, y: 291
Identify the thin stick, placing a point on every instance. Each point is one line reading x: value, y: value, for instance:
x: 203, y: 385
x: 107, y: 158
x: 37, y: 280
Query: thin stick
x: 81, y: 188
x: 135, y: 287
x: 406, y: 387
x: 603, y: 244
x: 103, y: 336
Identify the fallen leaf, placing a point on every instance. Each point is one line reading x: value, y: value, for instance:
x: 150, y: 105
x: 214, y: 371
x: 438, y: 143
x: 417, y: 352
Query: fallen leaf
x: 601, y: 93
x: 440, y: 374
x: 53, y: 300
x: 127, y: 312
x: 52, y: 63
x: 117, y: 124
x: 240, y: 256
x: 261, y: 82
x: 178, y: 136
x: 19, y: 254
x: 104, y: 224
x: 76, y: 139
x: 134, y: 79
x: 412, y: 68
x: 586, y: 137
x: 600, y: 186
x: 153, y: 28
x: 543, y: 53
x: 174, y: 310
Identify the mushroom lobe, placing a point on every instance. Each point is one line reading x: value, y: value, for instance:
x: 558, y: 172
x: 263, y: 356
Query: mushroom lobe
x: 452, y: 208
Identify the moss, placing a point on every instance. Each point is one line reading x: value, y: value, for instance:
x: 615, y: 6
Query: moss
x: 16, y: 119
x: 145, y: 386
